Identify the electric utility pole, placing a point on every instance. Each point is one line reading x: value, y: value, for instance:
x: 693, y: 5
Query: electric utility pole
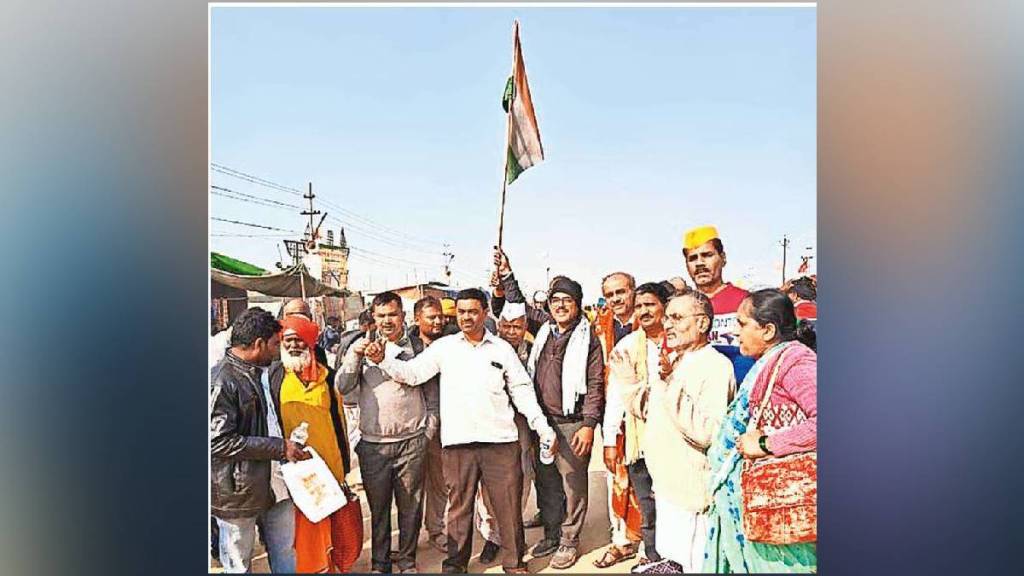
x: 785, y: 246
x: 448, y: 257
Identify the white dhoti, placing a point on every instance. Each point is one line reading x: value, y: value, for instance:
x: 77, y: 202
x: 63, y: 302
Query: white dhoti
x: 681, y: 535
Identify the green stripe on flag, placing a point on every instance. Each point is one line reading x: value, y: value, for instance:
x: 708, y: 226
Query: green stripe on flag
x: 514, y: 169
x: 508, y: 95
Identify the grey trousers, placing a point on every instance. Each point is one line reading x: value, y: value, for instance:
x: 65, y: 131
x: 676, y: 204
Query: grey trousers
x: 393, y: 471
x: 435, y: 491
x: 562, y: 489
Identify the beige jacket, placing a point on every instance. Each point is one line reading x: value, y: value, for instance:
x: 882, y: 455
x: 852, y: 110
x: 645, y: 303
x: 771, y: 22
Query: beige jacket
x: 683, y: 418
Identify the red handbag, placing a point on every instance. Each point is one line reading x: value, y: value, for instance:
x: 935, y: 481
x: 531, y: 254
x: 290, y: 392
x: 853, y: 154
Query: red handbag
x: 780, y: 494
x: 347, y: 532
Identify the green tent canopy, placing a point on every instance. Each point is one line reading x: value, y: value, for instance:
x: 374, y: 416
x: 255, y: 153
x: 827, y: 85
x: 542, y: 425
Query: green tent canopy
x: 292, y: 282
x: 233, y: 266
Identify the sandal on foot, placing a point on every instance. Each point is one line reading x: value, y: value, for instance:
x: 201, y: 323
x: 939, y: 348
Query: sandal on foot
x: 615, y: 554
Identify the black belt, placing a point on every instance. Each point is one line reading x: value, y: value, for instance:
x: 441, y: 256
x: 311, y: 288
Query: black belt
x: 559, y: 419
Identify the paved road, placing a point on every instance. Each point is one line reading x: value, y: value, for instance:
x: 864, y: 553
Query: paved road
x: 593, y: 540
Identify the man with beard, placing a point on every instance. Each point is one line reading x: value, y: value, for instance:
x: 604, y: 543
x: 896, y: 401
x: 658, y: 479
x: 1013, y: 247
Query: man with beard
x: 683, y: 414
x: 567, y: 366
x: 246, y: 445
x: 299, y: 307
x: 299, y: 385
x: 511, y: 329
x: 639, y: 354
x: 705, y: 258
x: 429, y: 327
x: 481, y: 380
x: 393, y: 421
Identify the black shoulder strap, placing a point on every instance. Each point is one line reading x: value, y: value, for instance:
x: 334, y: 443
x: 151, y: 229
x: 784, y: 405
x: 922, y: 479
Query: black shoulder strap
x: 339, y: 430
x: 274, y: 377
x: 417, y: 345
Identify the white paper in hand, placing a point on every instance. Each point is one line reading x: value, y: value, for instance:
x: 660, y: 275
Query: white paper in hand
x: 314, y: 489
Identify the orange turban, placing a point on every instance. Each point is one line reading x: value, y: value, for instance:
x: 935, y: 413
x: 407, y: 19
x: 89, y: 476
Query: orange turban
x: 307, y: 331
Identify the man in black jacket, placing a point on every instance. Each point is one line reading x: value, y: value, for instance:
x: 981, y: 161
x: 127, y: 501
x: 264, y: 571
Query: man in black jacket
x: 567, y: 366
x: 243, y: 447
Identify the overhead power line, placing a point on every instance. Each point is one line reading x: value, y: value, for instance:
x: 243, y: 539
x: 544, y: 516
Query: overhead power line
x: 395, y: 258
x: 264, y: 236
x: 376, y: 236
x: 227, y: 192
x: 378, y: 227
x: 253, y: 225
x: 364, y: 226
x: 254, y: 179
x: 247, y: 200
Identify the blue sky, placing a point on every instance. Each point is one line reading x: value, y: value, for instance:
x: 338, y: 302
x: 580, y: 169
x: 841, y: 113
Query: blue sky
x: 653, y: 120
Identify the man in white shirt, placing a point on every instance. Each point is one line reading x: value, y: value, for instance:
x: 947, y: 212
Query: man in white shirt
x: 481, y: 379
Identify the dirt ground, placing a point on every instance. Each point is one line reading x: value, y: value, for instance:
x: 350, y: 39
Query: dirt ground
x: 593, y: 540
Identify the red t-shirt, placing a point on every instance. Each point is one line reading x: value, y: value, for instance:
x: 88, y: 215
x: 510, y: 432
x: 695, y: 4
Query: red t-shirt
x: 725, y: 303
x: 806, y: 310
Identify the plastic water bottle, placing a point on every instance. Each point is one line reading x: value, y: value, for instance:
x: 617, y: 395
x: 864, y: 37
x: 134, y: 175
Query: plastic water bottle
x: 546, y: 456
x: 300, y: 434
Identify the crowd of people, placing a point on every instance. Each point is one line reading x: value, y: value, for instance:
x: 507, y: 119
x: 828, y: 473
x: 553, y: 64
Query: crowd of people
x: 706, y: 396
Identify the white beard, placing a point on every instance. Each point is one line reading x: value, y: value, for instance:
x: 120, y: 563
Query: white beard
x: 295, y: 363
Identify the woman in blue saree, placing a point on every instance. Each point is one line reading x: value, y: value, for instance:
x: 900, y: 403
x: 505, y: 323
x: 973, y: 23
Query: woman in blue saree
x: 767, y: 329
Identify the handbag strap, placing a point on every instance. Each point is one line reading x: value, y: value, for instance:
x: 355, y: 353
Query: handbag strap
x: 341, y: 434
x: 768, y: 391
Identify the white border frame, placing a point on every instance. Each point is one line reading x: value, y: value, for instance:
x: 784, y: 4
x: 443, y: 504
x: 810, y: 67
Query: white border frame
x: 209, y: 95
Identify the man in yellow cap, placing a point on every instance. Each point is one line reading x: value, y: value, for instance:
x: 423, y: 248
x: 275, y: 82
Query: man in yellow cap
x: 705, y: 258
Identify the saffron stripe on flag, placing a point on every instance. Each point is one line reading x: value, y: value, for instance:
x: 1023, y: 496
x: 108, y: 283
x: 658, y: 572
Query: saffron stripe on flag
x: 524, y: 146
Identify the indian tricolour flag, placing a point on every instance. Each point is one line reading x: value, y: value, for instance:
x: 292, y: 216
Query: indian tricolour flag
x: 524, y: 148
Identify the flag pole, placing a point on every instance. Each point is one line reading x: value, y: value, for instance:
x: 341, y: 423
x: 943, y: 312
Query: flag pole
x: 504, y: 176
x: 508, y: 136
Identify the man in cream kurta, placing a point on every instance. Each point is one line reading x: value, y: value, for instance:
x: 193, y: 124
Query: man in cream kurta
x: 684, y: 412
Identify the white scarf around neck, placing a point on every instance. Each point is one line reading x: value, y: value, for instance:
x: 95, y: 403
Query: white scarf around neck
x: 574, y: 364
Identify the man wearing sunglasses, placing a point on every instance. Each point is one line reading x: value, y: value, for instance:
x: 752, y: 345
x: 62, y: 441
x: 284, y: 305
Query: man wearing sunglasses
x: 567, y: 366
x: 683, y: 412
